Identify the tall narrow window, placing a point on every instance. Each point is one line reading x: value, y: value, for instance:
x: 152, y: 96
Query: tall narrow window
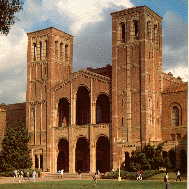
x: 61, y: 51
x: 122, y: 103
x: 156, y: 34
x: 123, y: 32
x: 35, y: 51
x: 149, y: 30
x: 56, y: 50
x: 46, y: 47
x: 40, y: 51
x: 122, y: 121
x: 66, y: 53
x: 175, y: 116
x: 136, y: 25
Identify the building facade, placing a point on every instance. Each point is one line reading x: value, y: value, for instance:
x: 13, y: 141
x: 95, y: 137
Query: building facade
x: 93, y: 119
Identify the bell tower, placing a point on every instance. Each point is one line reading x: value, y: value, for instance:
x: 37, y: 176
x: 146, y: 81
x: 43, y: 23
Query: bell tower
x: 136, y: 77
x: 49, y: 61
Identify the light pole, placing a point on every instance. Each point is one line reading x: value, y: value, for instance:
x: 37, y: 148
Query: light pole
x: 118, y: 141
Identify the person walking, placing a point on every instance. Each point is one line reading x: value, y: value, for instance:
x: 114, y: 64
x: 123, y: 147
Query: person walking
x: 79, y: 174
x: 34, y: 174
x: 62, y: 173
x: 140, y: 174
x: 27, y: 175
x: 166, y: 179
x: 15, y: 173
x: 95, y: 179
x: 178, y: 176
x: 58, y: 174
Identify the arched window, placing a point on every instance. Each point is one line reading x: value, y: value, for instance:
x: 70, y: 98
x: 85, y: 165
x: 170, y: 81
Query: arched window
x: 123, y: 32
x: 56, y: 50
x: 136, y: 25
x: 40, y: 52
x: 149, y: 30
x: 175, y: 116
x: 61, y: 51
x: 35, y: 51
x: 156, y: 34
x: 66, y: 53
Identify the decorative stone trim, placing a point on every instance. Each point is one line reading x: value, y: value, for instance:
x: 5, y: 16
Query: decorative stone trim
x: 38, y: 102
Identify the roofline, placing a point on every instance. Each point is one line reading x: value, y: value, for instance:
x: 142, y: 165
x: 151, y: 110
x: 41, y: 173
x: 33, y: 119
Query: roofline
x: 47, y: 29
x: 135, y: 8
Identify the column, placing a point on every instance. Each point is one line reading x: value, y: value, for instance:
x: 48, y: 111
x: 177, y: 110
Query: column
x: 92, y: 152
x: 73, y: 107
x: 71, y: 157
x: 93, y: 106
x: 38, y: 156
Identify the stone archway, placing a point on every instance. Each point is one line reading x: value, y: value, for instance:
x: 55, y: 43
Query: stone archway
x: 103, y: 154
x: 63, y: 112
x: 82, y: 157
x: 63, y: 155
x: 102, y: 109
x: 82, y: 106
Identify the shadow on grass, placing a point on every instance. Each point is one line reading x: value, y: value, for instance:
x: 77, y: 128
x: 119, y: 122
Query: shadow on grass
x: 104, y: 184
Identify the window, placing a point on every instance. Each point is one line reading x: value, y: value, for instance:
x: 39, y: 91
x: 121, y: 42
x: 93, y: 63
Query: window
x: 66, y: 53
x: 178, y: 136
x: 136, y: 26
x: 61, y: 51
x: 173, y: 136
x: 156, y: 34
x: 122, y: 121
x: 56, y: 50
x: 40, y: 51
x: 149, y: 30
x: 123, y: 32
x: 46, y: 48
x: 35, y: 51
x: 175, y: 116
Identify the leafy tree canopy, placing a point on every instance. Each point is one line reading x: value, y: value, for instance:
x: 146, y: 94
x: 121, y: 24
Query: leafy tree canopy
x: 15, y: 151
x: 7, y: 14
x: 149, y: 158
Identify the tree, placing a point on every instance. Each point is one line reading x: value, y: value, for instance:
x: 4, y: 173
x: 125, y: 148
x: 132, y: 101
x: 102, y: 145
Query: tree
x: 139, y: 161
x: 7, y: 14
x: 149, y: 158
x: 15, y: 151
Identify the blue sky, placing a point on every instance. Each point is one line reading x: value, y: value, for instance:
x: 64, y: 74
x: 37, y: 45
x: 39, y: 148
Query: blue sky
x: 90, y: 24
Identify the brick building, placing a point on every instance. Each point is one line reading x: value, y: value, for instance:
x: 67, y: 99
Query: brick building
x: 93, y: 119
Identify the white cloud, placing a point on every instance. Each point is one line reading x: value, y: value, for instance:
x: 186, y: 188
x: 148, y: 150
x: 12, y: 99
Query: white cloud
x: 83, y: 11
x: 13, y: 48
x: 181, y: 71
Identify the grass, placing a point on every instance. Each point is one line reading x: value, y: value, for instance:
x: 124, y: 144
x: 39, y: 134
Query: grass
x: 172, y: 176
x: 104, y: 184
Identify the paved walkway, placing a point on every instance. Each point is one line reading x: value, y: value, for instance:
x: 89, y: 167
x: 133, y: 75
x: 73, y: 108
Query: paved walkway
x: 6, y: 180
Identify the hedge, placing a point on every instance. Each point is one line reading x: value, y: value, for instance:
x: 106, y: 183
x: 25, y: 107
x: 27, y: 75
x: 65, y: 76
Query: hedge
x: 129, y: 175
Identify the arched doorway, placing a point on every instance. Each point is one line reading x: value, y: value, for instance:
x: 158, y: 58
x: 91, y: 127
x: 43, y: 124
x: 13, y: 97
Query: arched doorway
x: 63, y: 111
x: 127, y: 161
x: 103, y: 154
x: 172, y: 158
x: 63, y: 155
x: 102, y: 109
x: 82, y: 106
x: 82, y: 160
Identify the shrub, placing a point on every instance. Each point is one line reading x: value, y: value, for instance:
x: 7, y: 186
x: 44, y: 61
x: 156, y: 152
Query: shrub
x: 130, y: 175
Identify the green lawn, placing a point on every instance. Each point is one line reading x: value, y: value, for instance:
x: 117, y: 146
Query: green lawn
x: 101, y: 184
